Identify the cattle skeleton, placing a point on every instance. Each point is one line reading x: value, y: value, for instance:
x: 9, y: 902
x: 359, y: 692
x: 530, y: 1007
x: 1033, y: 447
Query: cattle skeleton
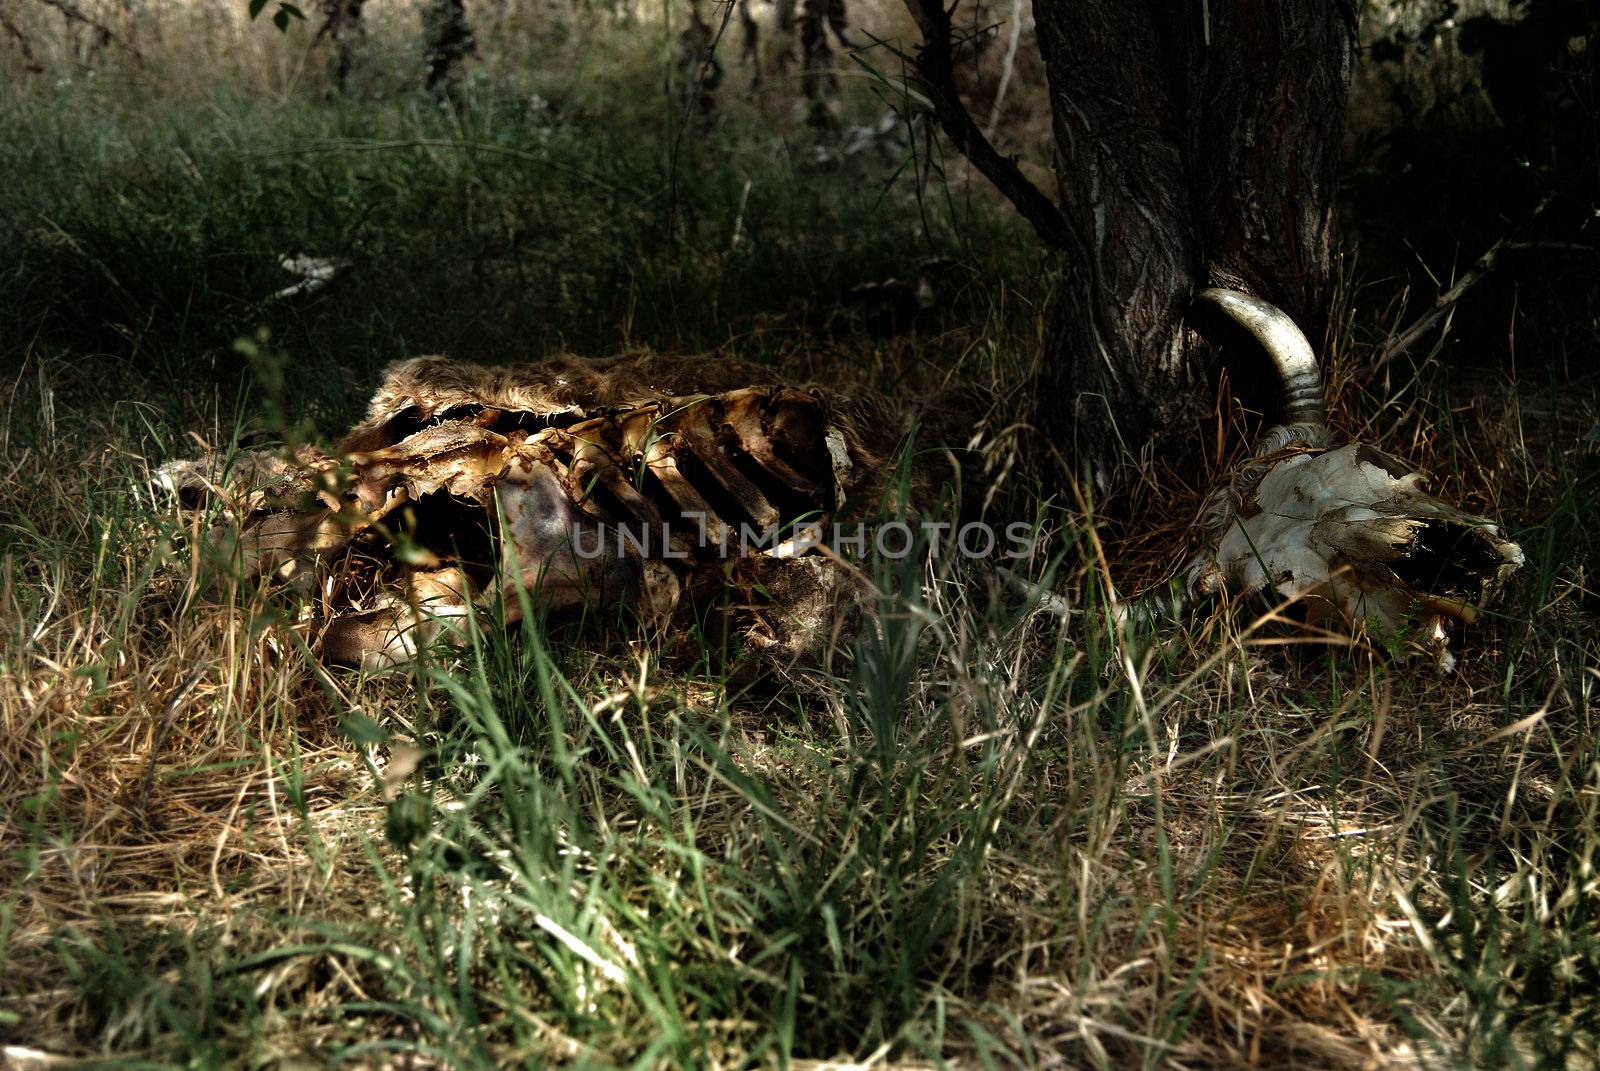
x: 394, y: 532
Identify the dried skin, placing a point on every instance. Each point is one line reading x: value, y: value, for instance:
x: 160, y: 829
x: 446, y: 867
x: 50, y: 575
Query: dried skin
x: 635, y: 481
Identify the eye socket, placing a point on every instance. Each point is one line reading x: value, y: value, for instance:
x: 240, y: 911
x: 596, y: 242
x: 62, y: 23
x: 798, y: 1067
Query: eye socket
x: 1369, y: 455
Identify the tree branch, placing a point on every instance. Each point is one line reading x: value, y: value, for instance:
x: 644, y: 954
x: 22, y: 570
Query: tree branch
x: 1444, y: 307
x: 1005, y: 72
x: 30, y: 61
x: 74, y: 13
x: 934, y: 69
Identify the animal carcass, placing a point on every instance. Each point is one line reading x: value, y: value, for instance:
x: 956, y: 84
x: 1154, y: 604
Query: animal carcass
x: 568, y: 484
x: 635, y: 481
x: 1345, y: 528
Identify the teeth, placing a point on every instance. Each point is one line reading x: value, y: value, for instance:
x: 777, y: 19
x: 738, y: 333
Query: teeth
x: 1464, y: 612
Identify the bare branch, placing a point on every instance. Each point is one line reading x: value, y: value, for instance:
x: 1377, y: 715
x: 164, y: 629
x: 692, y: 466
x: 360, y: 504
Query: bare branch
x: 30, y: 61
x: 74, y: 13
x: 1444, y: 307
x: 934, y: 67
x: 1007, y: 69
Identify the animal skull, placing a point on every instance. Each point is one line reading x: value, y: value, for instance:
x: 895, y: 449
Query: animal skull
x: 1345, y: 529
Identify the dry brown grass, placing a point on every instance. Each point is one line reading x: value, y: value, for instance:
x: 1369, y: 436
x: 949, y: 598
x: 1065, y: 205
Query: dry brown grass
x: 1255, y: 854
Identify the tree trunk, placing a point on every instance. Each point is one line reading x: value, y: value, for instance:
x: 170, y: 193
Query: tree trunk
x: 448, y: 40
x: 1197, y: 144
x: 819, y: 75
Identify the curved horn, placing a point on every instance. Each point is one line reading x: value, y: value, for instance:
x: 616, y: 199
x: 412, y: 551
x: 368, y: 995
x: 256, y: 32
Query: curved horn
x: 1289, y: 349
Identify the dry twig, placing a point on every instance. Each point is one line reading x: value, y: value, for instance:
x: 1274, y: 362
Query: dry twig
x: 30, y: 61
x: 74, y: 13
x: 1444, y: 307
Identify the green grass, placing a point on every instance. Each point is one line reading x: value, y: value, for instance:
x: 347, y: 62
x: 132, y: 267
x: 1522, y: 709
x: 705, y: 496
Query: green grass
x: 988, y: 838
x: 495, y: 235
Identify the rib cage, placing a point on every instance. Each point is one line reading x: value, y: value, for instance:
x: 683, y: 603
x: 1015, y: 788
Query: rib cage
x: 449, y: 504
x: 747, y: 461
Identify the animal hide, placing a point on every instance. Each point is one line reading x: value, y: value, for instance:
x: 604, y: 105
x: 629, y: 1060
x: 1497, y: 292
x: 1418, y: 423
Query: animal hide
x: 653, y: 483
x: 570, y: 484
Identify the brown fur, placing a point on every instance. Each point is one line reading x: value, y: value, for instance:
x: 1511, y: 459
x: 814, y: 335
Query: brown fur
x: 418, y: 391
x: 422, y: 388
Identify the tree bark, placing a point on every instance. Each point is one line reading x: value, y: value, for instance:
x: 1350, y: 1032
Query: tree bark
x: 448, y: 40
x: 1197, y: 144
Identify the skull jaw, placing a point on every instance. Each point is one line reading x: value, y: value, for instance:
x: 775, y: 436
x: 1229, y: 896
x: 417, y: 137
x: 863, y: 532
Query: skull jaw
x: 1338, y: 605
x: 1399, y: 617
